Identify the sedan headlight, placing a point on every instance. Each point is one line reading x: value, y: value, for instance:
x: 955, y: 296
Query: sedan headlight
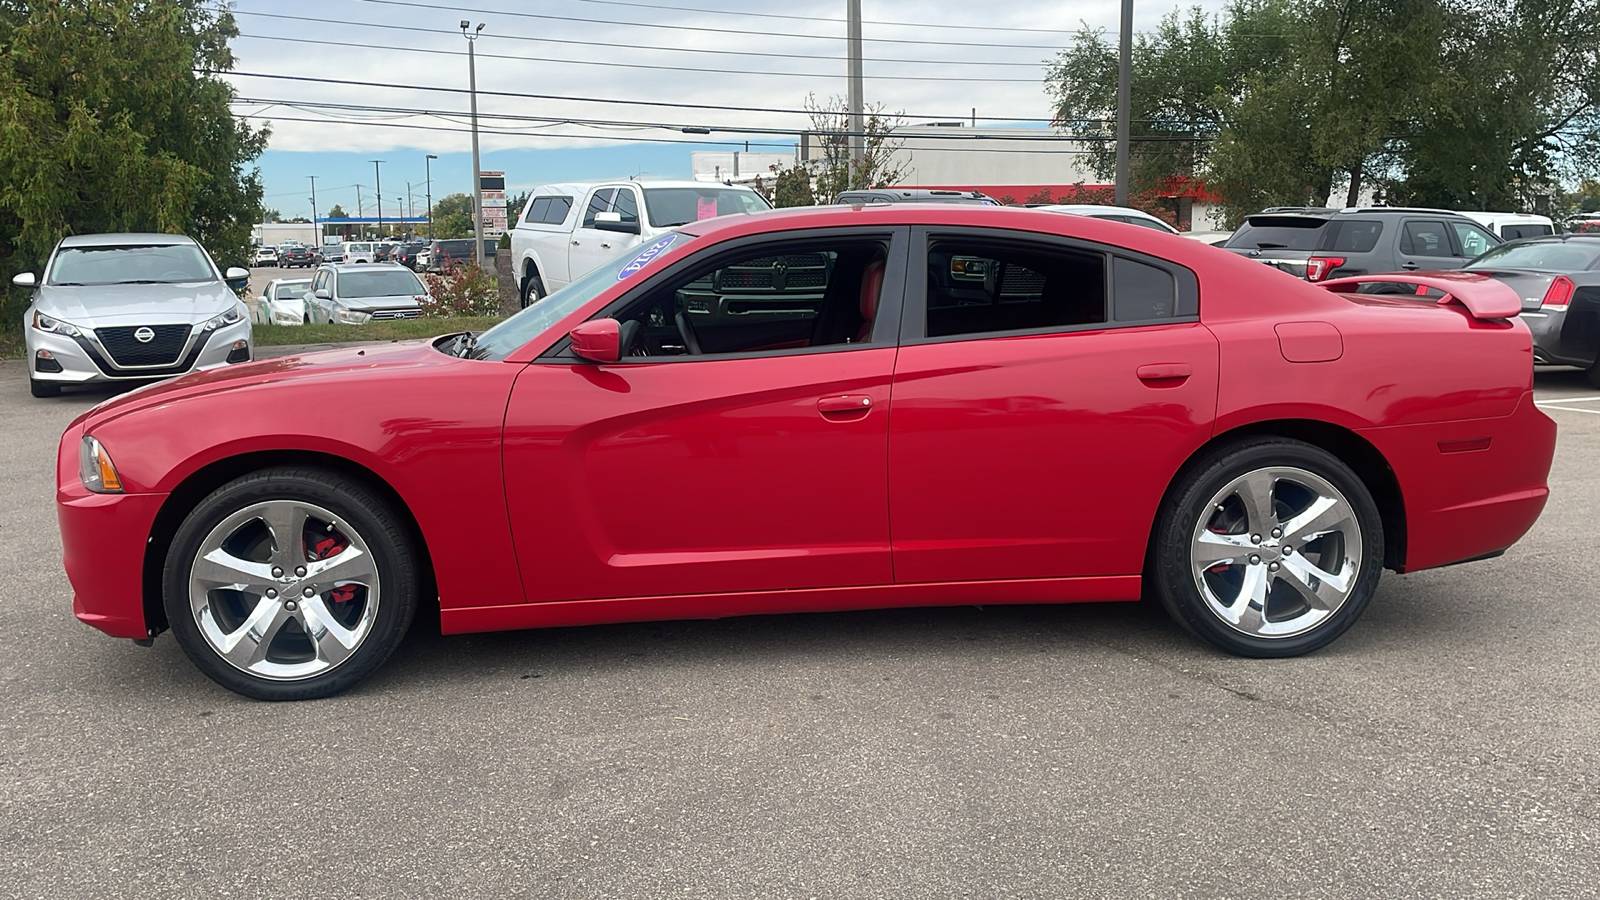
x: 54, y: 326
x: 230, y: 317
x: 95, y: 468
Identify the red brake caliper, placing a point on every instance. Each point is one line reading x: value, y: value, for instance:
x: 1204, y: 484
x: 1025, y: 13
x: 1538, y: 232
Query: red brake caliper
x: 332, y: 545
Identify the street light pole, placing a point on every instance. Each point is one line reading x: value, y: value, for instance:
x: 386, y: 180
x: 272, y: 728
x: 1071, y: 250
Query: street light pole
x: 428, y: 174
x: 314, y: 209
x: 855, y: 144
x: 477, y: 192
x: 1124, y: 101
x: 378, y: 174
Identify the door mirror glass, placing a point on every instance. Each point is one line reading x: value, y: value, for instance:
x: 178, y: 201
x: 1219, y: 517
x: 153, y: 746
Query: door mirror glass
x: 598, y: 340
x: 27, y: 280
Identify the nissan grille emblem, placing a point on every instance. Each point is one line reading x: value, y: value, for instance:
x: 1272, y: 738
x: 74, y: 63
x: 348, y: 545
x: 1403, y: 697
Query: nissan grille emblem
x: 144, y: 335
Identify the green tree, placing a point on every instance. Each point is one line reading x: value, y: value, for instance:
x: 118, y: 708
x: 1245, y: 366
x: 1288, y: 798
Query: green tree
x: 271, y: 215
x: 452, y: 216
x: 112, y: 118
x: 337, y: 212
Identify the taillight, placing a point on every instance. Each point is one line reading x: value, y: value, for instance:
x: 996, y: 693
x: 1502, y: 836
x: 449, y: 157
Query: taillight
x: 1320, y: 267
x: 1559, y: 295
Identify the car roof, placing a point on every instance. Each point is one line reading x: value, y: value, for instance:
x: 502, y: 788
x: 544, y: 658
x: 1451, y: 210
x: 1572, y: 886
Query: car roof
x: 363, y: 267
x: 306, y: 279
x: 578, y: 187
x: 118, y: 239
x: 911, y: 195
x: 951, y: 214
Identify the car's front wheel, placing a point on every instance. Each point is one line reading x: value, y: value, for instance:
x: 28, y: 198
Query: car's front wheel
x: 290, y: 584
x: 532, y: 290
x: 1269, y: 548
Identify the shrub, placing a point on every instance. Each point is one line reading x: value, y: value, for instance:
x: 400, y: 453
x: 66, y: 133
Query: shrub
x: 462, y: 289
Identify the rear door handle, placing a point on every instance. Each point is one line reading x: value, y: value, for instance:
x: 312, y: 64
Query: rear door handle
x: 845, y: 405
x: 1165, y: 372
x: 1409, y: 265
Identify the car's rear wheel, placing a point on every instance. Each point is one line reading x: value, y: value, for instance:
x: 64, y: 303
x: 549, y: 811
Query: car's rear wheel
x: 532, y: 290
x: 290, y: 584
x: 43, y: 388
x: 1268, y: 548
x: 1594, y: 373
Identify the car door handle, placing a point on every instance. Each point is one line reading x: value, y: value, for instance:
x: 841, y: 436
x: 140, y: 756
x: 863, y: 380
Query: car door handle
x: 1409, y: 266
x: 604, y: 246
x: 845, y: 405
x: 574, y: 243
x: 1165, y: 372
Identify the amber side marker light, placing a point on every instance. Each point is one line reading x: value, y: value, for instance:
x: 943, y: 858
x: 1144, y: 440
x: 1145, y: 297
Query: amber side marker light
x: 95, y: 468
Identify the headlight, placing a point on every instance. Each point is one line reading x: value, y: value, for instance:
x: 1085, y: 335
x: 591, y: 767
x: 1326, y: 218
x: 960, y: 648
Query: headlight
x: 54, y: 326
x: 354, y: 317
x: 95, y: 468
x: 233, y: 315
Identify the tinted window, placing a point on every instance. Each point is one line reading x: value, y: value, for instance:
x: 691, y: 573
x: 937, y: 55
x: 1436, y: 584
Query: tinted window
x: 978, y: 287
x: 1473, y: 240
x: 1549, y: 256
x: 1512, y: 232
x: 378, y: 282
x: 548, y: 210
x: 626, y: 205
x: 459, y: 249
x: 158, y: 263
x: 1278, y: 233
x: 1353, y: 236
x: 1424, y: 239
x: 679, y: 206
x: 1142, y: 291
x: 599, y: 203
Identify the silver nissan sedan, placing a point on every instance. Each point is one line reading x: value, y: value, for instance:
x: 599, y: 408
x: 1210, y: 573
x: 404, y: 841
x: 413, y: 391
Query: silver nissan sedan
x: 130, y: 307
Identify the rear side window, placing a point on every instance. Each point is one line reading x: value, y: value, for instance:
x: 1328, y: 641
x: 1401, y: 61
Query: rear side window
x: 1279, y: 233
x: 1353, y: 236
x: 1425, y: 239
x: 983, y: 287
x: 548, y: 210
x: 1512, y: 232
x: 1142, y: 291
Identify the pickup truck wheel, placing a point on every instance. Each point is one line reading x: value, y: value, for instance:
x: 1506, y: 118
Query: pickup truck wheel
x: 532, y: 290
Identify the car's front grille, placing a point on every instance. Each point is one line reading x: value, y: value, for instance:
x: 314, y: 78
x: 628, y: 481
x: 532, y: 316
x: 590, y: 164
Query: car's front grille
x: 381, y: 314
x: 162, y: 349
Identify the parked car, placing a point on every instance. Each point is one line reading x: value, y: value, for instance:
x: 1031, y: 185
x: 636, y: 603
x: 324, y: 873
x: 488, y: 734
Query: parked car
x: 1558, y: 279
x: 1124, y: 214
x: 406, y: 254
x: 331, y: 253
x: 264, y: 256
x: 1103, y: 410
x: 359, y: 252
x: 296, y: 256
x: 441, y: 255
x: 350, y: 294
x: 130, y: 307
x: 381, y: 250
x: 283, y: 302
x: 1510, y: 226
x: 914, y: 195
x: 1318, y: 244
x: 567, y: 229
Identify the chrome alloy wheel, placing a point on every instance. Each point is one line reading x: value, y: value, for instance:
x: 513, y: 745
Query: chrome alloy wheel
x: 1277, y: 552
x: 284, y: 590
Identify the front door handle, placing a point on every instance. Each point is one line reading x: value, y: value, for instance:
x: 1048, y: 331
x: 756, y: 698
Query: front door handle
x: 1168, y: 372
x: 845, y: 405
x: 574, y: 243
x: 1409, y: 265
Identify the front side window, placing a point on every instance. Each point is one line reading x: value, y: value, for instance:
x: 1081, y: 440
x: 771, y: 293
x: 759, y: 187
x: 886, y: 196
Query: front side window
x: 598, y: 203
x: 980, y: 286
x: 131, y: 264
x: 626, y: 205
x: 1474, y: 240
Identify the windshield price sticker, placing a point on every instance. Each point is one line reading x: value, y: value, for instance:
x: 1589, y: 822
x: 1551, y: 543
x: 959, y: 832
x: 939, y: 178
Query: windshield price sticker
x: 646, y: 255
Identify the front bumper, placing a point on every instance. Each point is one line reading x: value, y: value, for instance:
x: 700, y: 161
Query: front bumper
x: 84, y: 359
x: 103, y: 540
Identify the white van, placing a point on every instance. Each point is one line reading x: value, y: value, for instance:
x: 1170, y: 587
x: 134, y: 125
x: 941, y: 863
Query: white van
x: 1511, y: 226
x: 358, y: 251
x: 568, y: 229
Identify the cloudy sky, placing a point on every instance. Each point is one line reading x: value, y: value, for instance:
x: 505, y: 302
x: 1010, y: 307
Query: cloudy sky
x: 393, y: 80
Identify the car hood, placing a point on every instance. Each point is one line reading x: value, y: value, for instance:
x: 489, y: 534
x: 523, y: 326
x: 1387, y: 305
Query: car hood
x: 309, y: 368
x: 397, y: 301
x: 95, y: 306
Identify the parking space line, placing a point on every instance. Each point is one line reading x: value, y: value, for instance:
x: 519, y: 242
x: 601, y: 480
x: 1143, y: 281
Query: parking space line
x: 1558, y: 400
x: 1592, y: 412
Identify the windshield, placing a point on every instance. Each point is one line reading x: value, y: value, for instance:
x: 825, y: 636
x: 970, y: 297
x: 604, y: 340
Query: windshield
x: 291, y: 290
x: 1546, y: 256
x: 131, y: 264
x: 382, y: 282
x: 1278, y: 233
x: 680, y: 206
x: 499, y: 342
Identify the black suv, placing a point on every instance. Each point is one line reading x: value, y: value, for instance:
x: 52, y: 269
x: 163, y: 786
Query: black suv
x: 446, y: 253
x: 406, y: 254
x: 296, y: 256
x: 1317, y: 244
x: 913, y: 195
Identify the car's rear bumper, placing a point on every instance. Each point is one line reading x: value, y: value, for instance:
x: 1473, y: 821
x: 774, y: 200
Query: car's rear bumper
x: 1471, y: 487
x: 103, y: 542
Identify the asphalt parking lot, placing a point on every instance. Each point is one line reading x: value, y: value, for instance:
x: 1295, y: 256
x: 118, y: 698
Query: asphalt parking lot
x: 1447, y: 746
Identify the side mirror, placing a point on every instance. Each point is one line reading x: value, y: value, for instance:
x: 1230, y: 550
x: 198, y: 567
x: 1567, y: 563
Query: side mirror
x: 235, y: 273
x: 24, y: 279
x: 612, y: 221
x: 598, y: 340
x: 322, y: 294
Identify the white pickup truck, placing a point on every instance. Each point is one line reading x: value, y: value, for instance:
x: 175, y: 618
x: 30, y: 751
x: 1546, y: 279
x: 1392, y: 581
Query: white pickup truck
x: 568, y: 229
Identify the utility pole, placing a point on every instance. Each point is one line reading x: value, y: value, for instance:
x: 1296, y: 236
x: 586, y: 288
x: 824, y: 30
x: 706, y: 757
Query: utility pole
x: 428, y: 174
x: 361, y: 208
x: 1124, y: 101
x: 477, y: 187
x: 378, y: 174
x: 314, y: 209
x: 856, y: 143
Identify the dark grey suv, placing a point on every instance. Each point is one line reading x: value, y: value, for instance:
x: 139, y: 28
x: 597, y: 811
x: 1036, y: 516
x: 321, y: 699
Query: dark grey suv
x: 1317, y: 244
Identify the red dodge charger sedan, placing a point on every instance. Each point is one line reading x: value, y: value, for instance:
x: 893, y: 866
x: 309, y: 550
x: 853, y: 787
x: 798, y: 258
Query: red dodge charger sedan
x: 838, y: 408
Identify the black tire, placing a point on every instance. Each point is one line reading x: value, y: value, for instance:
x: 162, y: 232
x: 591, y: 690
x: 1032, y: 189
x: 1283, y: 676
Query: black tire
x: 1593, y: 374
x: 361, y: 513
x: 1178, y: 578
x: 43, y: 388
x: 532, y: 290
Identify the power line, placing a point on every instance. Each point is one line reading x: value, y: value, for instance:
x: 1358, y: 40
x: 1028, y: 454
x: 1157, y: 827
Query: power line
x: 702, y: 28
x: 743, y: 14
x: 573, y: 62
